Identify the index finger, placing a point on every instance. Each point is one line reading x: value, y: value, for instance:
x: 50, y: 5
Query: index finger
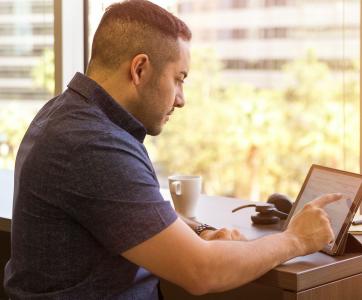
x: 326, y: 199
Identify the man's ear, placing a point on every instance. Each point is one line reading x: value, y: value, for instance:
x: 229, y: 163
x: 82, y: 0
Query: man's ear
x: 140, y: 68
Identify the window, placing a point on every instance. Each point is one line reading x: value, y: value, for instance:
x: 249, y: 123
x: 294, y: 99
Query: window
x: 26, y: 69
x: 185, y: 7
x: 271, y: 92
x: 286, y: 95
x: 270, y: 3
x: 273, y: 33
x: 239, y: 3
x: 239, y: 33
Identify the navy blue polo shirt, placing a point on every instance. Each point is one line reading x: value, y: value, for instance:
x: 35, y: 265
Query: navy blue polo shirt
x: 85, y: 191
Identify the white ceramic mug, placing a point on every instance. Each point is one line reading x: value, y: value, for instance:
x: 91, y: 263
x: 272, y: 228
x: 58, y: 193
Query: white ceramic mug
x: 185, y: 191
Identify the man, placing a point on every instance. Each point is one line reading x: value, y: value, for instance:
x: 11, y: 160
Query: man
x: 88, y: 220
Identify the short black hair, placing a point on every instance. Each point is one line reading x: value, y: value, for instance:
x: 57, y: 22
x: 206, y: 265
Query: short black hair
x: 133, y: 27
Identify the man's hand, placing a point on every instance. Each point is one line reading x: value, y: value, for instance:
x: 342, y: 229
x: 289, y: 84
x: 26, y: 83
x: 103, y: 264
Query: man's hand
x: 223, y: 234
x: 220, y: 234
x: 311, y: 227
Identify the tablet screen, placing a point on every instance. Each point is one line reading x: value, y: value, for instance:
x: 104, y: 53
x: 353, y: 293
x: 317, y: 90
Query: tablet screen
x: 322, y: 180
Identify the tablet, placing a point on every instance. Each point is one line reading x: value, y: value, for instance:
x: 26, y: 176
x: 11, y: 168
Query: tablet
x: 322, y: 180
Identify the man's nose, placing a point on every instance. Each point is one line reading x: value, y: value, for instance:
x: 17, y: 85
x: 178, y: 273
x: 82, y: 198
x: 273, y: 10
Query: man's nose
x: 179, y: 100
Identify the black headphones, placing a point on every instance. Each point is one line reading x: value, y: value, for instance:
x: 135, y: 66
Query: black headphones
x: 275, y: 209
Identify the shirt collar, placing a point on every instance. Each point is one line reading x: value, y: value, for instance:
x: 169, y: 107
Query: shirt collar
x: 91, y: 90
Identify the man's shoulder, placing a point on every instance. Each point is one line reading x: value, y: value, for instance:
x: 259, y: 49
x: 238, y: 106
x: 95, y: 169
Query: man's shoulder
x: 76, y: 120
x: 78, y: 128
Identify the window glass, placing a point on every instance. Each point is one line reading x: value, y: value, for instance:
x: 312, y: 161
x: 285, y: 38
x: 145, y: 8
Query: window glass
x: 273, y: 88
x: 26, y: 69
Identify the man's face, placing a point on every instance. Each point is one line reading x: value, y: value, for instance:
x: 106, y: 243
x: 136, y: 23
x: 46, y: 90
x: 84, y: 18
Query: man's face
x: 164, y: 91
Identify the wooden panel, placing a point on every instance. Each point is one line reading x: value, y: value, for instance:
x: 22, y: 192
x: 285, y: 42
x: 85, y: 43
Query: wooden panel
x: 249, y: 291
x: 4, y: 257
x: 312, y: 270
x: 347, y: 289
x: 5, y: 224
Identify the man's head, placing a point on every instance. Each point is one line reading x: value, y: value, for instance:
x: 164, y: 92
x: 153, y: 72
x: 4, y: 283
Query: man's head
x: 137, y: 48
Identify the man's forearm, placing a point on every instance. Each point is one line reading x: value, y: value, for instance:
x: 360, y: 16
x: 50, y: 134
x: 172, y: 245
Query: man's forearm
x: 231, y: 264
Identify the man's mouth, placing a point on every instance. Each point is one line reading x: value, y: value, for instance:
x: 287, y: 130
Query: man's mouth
x: 169, y: 115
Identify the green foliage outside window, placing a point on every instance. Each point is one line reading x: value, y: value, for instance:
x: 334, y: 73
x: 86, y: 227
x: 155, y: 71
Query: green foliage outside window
x: 245, y: 142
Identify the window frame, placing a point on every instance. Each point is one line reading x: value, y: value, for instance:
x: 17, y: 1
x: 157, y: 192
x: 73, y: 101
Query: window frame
x: 70, y: 41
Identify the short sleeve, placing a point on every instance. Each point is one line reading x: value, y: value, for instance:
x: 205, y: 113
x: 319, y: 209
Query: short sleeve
x: 111, y: 189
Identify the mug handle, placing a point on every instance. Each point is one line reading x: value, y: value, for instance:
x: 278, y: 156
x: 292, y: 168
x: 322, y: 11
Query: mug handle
x: 176, y: 187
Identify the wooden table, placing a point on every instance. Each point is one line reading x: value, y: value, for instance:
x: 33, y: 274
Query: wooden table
x: 311, y: 277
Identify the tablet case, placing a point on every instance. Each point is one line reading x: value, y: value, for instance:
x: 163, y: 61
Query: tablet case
x: 350, y: 244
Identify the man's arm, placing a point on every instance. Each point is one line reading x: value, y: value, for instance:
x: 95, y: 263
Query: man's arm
x: 178, y: 255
